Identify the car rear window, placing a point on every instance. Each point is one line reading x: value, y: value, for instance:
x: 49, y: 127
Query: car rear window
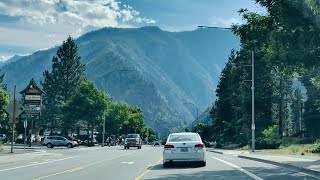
x: 133, y: 136
x: 183, y: 137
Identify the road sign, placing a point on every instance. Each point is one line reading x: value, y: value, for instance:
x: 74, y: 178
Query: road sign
x: 25, y: 123
x: 9, y: 109
x: 26, y: 116
x: 33, y: 97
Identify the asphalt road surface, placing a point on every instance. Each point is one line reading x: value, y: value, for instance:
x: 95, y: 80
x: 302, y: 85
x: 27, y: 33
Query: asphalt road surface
x: 117, y: 163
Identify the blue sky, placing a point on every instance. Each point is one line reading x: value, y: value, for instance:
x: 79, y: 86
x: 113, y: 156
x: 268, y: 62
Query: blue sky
x: 27, y: 26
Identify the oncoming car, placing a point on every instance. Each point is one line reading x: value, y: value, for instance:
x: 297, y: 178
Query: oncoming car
x: 184, y: 147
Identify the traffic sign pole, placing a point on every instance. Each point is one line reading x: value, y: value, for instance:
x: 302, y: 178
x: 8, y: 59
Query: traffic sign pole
x: 13, y: 117
x: 25, y: 123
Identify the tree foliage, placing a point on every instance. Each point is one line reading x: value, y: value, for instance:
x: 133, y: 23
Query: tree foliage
x: 62, y: 82
x: 285, y: 44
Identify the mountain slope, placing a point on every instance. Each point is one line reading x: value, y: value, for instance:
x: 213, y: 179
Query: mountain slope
x: 167, y: 69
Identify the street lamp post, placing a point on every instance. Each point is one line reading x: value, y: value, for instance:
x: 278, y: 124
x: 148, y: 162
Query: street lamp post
x: 103, y: 114
x: 195, y: 107
x: 253, y: 126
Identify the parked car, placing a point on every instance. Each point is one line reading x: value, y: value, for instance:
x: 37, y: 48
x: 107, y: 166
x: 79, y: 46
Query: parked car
x: 51, y: 141
x: 3, y: 138
x: 73, y: 139
x: 157, y: 143
x: 184, y: 147
x: 133, y: 140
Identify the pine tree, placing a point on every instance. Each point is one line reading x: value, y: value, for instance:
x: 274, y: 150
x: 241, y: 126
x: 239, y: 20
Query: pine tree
x: 62, y: 82
x: 297, y: 109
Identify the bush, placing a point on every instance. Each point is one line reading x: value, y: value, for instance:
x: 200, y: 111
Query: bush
x: 294, y: 149
x: 287, y: 141
x: 315, y: 148
x: 270, y: 140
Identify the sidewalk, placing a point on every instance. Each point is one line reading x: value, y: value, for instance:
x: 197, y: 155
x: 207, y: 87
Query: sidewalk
x: 306, y: 164
x: 7, y: 158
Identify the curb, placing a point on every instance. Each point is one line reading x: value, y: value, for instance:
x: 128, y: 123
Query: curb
x: 287, y: 166
x: 218, y: 152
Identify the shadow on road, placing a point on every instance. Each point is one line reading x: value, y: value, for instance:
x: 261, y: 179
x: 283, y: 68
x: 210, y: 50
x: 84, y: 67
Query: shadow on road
x: 175, y: 166
x: 224, y: 174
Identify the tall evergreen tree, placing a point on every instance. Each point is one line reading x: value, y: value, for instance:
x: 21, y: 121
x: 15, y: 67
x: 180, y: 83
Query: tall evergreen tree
x: 297, y: 110
x: 62, y: 82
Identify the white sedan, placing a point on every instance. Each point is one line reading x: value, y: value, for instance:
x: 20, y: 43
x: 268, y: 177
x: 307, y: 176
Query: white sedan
x: 184, y: 147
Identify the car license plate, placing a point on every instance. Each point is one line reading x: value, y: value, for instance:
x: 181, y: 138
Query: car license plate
x: 184, y: 149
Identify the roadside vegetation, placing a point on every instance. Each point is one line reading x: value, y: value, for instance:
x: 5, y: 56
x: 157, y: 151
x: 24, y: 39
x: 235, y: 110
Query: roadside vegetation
x: 287, y: 84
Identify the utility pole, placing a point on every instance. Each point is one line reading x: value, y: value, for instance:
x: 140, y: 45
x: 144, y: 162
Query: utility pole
x: 13, y: 117
x: 104, y: 127
x: 104, y: 119
x: 253, y: 126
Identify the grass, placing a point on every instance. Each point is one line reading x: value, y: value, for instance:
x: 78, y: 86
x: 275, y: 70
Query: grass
x: 292, y: 150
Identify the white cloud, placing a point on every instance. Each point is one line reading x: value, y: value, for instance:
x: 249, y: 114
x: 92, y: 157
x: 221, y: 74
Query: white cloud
x: 43, y: 22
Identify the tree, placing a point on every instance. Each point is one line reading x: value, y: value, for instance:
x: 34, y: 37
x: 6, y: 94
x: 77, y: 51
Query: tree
x: 203, y: 130
x: 62, y: 82
x: 86, y: 105
x: 4, y: 101
x: 121, y: 118
x: 297, y: 109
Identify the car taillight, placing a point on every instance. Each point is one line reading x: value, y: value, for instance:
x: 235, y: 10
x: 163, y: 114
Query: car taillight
x: 199, y: 146
x: 168, y: 146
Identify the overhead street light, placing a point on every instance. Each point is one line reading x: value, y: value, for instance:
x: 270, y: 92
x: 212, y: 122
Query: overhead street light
x: 214, y: 27
x: 103, y: 114
x: 253, y: 127
x: 194, y: 106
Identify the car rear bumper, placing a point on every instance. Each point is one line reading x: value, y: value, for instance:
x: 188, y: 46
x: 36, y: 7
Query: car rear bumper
x: 183, y: 157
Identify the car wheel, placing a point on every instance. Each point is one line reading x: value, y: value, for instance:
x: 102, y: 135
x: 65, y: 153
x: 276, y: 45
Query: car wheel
x: 49, y: 145
x: 69, y: 145
x: 203, y: 164
x: 165, y: 164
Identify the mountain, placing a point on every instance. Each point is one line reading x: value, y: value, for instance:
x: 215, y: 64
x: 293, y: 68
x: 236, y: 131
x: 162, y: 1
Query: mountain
x: 203, y: 118
x: 167, y: 69
x: 12, y: 59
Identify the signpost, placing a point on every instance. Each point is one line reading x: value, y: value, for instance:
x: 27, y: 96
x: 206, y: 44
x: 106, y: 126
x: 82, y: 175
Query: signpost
x: 25, y: 124
x: 32, y: 102
x: 14, y: 109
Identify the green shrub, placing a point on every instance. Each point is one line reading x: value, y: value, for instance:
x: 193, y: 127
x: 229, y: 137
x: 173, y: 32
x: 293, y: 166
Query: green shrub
x: 287, y: 141
x: 270, y: 139
x: 315, y: 148
x: 294, y: 149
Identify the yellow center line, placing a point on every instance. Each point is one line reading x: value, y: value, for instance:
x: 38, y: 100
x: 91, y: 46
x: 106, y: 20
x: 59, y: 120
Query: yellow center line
x: 79, y: 167
x: 148, y: 169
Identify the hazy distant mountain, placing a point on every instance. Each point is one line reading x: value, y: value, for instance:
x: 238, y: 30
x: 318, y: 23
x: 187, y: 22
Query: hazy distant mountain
x: 167, y: 69
x: 203, y: 118
x: 12, y: 59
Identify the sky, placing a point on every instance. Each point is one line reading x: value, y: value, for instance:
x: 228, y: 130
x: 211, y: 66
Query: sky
x: 30, y: 25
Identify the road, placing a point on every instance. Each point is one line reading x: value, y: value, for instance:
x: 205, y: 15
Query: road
x: 117, y: 163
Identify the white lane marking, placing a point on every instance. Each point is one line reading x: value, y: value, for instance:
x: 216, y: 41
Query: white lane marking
x: 127, y: 162
x: 240, y: 169
x: 34, y: 164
